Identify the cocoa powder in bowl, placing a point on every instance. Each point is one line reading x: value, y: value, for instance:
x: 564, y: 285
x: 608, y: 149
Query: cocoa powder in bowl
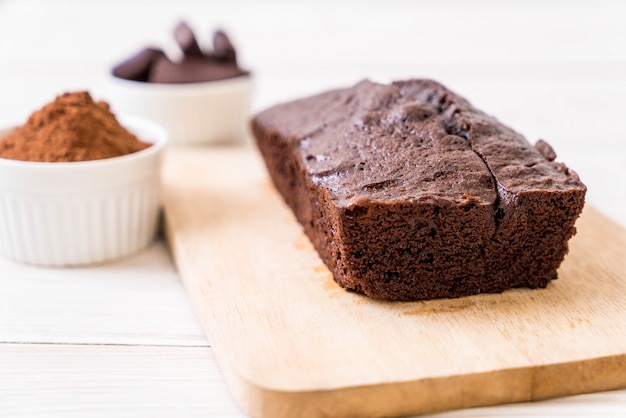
x: 71, y: 128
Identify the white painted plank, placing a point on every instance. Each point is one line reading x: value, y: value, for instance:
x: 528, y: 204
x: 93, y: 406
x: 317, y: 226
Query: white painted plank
x: 111, y: 381
x: 137, y: 300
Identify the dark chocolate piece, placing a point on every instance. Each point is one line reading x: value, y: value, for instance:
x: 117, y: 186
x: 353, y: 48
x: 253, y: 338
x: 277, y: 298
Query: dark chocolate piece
x: 137, y: 67
x: 408, y: 192
x: 223, y: 48
x: 192, y: 69
x: 187, y: 40
x: 153, y: 66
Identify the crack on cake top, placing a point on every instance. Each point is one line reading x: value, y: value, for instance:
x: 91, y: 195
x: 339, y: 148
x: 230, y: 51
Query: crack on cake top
x: 390, y: 139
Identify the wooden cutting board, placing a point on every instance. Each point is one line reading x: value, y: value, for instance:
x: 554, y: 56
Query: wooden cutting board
x: 291, y: 343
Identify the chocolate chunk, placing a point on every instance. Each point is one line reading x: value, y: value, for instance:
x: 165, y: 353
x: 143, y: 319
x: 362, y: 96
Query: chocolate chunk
x: 192, y: 70
x: 137, y: 67
x: 223, y: 48
x: 152, y: 65
x: 546, y: 150
x: 187, y: 40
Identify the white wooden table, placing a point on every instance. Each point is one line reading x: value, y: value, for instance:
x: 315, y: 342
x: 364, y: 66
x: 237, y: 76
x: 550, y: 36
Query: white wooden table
x: 121, y: 339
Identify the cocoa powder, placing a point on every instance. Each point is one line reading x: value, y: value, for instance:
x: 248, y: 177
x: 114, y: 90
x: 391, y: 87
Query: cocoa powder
x: 71, y: 128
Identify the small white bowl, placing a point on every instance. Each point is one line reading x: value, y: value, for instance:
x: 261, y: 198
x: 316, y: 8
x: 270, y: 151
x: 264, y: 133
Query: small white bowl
x: 192, y: 113
x: 78, y: 213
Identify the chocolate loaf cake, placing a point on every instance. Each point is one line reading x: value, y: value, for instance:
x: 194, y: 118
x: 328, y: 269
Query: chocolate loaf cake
x: 408, y: 192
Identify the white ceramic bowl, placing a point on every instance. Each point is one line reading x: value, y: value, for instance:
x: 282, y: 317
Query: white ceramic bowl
x: 192, y: 113
x: 77, y: 213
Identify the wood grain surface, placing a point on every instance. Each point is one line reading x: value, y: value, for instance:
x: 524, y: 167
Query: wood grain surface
x: 292, y: 343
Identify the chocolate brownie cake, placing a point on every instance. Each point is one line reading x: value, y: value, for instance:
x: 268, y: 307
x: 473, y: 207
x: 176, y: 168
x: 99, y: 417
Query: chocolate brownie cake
x: 408, y: 192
